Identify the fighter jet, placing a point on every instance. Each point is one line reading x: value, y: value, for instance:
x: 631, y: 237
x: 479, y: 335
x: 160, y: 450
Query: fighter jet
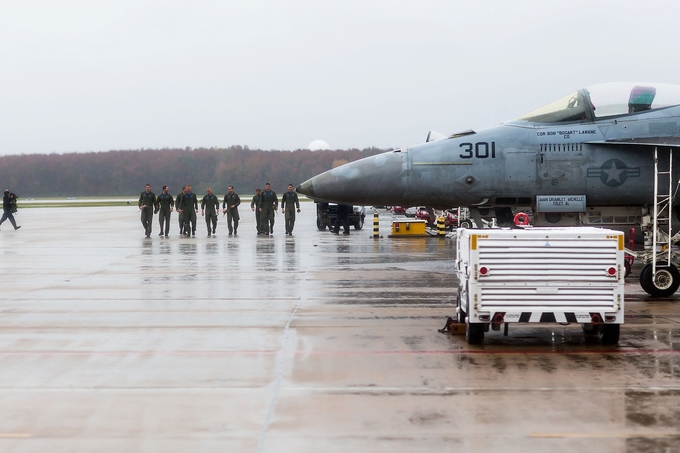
x: 598, y: 156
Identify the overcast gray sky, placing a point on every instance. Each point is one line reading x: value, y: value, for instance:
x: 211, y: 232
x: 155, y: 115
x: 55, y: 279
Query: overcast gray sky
x: 99, y: 75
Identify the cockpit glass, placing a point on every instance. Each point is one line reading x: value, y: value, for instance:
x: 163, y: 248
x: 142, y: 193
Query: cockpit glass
x: 610, y: 99
x: 569, y: 108
x: 607, y: 99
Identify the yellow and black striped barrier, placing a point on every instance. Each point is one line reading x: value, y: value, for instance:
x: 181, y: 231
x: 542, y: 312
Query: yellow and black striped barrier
x: 376, y: 226
x: 441, y: 226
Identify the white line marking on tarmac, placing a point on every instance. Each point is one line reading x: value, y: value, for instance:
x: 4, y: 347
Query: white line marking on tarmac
x: 282, y: 357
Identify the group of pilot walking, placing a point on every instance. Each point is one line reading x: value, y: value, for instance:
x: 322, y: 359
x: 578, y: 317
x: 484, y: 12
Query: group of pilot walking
x: 264, y: 204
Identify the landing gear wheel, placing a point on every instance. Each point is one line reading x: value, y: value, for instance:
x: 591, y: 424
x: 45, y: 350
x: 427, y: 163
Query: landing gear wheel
x: 360, y: 224
x: 646, y: 279
x: 666, y: 281
x: 320, y: 225
x: 662, y: 284
x: 610, y: 333
x: 474, y: 333
x: 465, y: 224
x: 628, y: 267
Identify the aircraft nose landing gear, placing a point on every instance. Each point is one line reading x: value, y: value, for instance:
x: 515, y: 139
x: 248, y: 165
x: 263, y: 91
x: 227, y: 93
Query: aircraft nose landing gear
x: 659, y: 276
x: 663, y: 283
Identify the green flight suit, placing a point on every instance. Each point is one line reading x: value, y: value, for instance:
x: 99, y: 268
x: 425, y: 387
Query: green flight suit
x: 164, y: 203
x: 231, y: 203
x: 257, y: 203
x: 289, y: 202
x: 211, y: 205
x: 148, y: 200
x: 180, y: 215
x: 189, y: 204
x: 269, y: 206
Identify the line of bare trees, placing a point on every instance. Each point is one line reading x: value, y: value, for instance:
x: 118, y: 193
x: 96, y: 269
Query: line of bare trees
x: 124, y: 173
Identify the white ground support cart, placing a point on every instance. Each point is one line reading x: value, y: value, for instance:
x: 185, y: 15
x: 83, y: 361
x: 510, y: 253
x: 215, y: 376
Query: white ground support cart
x: 540, y: 275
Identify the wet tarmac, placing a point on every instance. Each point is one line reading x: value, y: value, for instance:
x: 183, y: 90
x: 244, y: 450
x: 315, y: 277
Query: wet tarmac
x: 113, y: 342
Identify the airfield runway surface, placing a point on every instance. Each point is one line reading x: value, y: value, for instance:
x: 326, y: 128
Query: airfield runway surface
x: 311, y: 343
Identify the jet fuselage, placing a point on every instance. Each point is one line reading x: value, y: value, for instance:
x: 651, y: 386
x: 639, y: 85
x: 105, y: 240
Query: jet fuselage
x: 609, y: 160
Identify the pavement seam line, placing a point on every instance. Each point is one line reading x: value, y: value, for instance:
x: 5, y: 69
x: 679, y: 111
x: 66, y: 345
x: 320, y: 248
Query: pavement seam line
x: 282, y: 357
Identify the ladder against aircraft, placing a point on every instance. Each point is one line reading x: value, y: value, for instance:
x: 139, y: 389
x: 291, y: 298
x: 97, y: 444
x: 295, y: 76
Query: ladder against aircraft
x: 659, y: 275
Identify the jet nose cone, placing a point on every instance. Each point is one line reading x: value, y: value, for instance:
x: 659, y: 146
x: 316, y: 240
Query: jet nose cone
x: 306, y: 188
x: 379, y: 179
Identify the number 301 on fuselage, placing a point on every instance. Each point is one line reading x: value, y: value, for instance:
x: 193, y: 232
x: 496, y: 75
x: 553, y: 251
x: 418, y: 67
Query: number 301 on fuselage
x: 597, y: 142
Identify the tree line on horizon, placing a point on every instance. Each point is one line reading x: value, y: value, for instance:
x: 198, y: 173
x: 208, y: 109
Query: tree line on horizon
x: 124, y: 173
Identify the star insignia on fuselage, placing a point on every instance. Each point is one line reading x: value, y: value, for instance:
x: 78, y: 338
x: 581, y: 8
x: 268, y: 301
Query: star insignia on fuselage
x: 613, y: 173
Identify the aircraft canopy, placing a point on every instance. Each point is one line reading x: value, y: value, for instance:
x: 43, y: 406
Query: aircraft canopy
x: 605, y: 100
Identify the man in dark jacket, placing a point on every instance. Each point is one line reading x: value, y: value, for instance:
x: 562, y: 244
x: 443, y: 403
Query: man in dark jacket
x: 147, y: 204
x: 342, y: 219
x: 9, y: 207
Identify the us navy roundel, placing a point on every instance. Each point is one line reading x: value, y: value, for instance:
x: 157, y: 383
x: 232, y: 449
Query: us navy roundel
x: 613, y: 173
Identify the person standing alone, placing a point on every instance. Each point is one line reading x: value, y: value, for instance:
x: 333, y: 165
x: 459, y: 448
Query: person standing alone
x: 9, y: 207
x: 289, y: 202
x: 147, y: 203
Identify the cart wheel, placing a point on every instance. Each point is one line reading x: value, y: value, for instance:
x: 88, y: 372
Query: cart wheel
x: 628, y: 267
x: 610, y: 333
x: 465, y: 224
x: 662, y: 284
x: 474, y: 333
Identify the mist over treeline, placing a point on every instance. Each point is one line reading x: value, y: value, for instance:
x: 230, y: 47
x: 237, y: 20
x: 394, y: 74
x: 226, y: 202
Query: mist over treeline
x: 124, y: 173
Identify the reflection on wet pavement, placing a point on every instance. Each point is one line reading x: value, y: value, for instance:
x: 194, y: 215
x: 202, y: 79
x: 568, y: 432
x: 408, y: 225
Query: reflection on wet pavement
x: 300, y: 343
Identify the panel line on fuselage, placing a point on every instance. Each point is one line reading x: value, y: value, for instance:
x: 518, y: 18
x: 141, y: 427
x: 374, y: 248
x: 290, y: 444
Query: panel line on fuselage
x: 423, y: 164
